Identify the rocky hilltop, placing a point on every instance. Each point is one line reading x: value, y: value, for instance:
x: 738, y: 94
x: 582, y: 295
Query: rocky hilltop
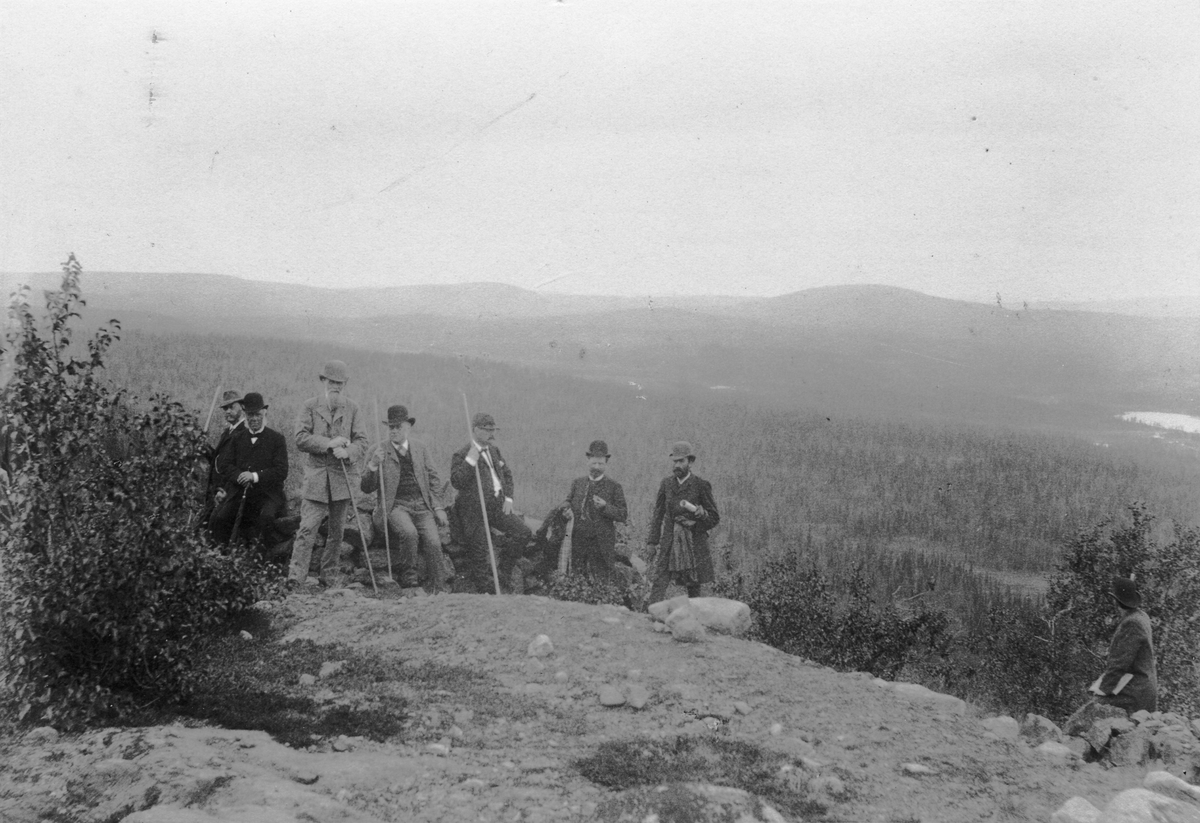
x: 566, y: 683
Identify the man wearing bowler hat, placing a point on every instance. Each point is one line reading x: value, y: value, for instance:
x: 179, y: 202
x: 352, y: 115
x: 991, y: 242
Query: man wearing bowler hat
x: 496, y: 478
x: 595, y: 504
x: 411, y: 499
x: 331, y: 434
x: 231, y: 407
x: 254, y: 467
x: 684, y: 513
x: 1130, y: 679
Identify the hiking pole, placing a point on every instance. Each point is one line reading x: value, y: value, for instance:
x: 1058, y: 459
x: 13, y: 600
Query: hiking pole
x: 237, y: 523
x: 211, y: 408
x: 366, y: 553
x: 487, y: 530
x: 387, y: 546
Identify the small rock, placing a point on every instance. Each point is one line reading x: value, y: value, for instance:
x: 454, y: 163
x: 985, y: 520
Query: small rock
x: 540, y: 646
x: 828, y: 785
x: 1130, y: 749
x: 473, y: 784
x: 1055, y: 752
x: 41, y: 735
x: 246, y: 635
x: 776, y: 729
x: 341, y: 744
x: 688, y: 630
x: 561, y: 677
x: 455, y: 733
x: 1078, y: 746
x: 440, y: 749
x: 306, y: 778
x: 464, y: 716
x: 1076, y: 810
x: 742, y: 707
x: 1004, y: 727
x: 1038, y: 729
x: 331, y: 667
x: 660, y: 628
x: 639, y: 696
x: 1145, y: 806
x: 917, y: 769
x: 538, y: 764
x: 611, y: 696
x: 307, y: 680
x: 1140, y: 716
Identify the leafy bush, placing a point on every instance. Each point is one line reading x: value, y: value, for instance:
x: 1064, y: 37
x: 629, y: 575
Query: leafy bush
x: 104, y: 590
x: 579, y: 588
x: 800, y: 610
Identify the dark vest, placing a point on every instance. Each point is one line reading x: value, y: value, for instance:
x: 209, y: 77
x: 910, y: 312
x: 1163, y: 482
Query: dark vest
x: 407, y: 488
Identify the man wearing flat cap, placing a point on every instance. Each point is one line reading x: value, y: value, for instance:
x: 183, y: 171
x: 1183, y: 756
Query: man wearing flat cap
x: 231, y: 406
x: 1130, y: 679
x: 684, y: 513
x: 331, y: 434
x: 254, y: 467
x: 482, y: 456
x: 411, y: 498
x: 595, y: 505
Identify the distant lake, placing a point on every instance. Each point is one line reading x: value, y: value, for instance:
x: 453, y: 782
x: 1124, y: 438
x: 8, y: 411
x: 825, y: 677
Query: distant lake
x: 1165, y: 420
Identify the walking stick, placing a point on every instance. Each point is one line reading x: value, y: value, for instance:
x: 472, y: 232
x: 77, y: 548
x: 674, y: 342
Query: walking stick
x: 211, y: 408
x: 383, y: 512
x: 366, y: 553
x: 237, y: 523
x: 487, y: 529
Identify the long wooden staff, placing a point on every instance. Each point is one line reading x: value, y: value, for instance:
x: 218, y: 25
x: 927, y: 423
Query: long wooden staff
x: 204, y: 494
x: 358, y: 522
x: 387, y: 546
x: 487, y: 529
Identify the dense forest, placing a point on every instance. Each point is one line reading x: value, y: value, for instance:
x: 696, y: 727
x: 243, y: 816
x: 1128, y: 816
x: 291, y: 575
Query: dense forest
x: 990, y: 498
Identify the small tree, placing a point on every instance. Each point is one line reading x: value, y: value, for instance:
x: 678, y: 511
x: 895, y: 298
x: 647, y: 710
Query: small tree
x: 104, y: 590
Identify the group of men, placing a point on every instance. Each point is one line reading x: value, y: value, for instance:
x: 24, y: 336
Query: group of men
x: 249, y: 465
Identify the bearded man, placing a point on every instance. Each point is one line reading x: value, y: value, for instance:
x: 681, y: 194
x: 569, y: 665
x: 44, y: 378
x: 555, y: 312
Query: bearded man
x: 684, y: 513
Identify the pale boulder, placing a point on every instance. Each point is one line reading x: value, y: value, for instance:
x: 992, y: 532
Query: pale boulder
x: 1076, y: 810
x: 919, y: 694
x: 1004, y: 727
x: 661, y: 610
x: 1169, y: 785
x: 1038, y: 729
x: 1145, y: 806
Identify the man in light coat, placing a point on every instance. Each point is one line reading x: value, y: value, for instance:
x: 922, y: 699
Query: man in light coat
x: 332, y: 436
x: 412, y: 500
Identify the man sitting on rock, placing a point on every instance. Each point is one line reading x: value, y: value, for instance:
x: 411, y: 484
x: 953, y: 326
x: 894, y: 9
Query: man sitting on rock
x: 254, y: 468
x: 1130, y: 679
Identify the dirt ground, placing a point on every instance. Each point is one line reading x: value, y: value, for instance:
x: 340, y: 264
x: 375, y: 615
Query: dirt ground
x: 460, y: 762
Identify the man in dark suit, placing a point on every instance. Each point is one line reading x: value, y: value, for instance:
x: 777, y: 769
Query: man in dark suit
x: 412, y: 500
x: 481, y: 458
x: 596, y: 504
x: 684, y: 513
x: 235, y: 418
x: 254, y: 467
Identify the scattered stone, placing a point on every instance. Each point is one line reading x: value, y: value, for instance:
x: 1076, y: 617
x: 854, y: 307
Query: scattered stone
x: 660, y: 628
x: 1055, y: 752
x: 540, y: 646
x: 829, y: 786
x: 341, y: 744
x: 307, y: 680
x: 1145, y: 806
x: 538, y: 764
x: 688, y: 630
x: 455, y: 733
x: 919, y: 694
x: 776, y: 729
x: 41, y: 735
x: 1004, y: 727
x: 1078, y: 746
x: 1169, y: 785
x: 917, y: 769
x: 440, y: 749
x: 331, y: 667
x: 561, y: 677
x: 245, y: 635
x: 704, y: 803
x: 1038, y: 729
x: 1076, y: 810
x: 611, y: 696
x: 1140, y: 716
x: 1077, y: 725
x: 1130, y: 749
x: 473, y: 784
x: 306, y: 778
x: 639, y: 696
x: 742, y: 707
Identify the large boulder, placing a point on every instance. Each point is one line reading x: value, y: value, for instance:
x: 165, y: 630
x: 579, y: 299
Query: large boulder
x: 1145, y: 806
x: 1038, y: 730
x: 719, y: 614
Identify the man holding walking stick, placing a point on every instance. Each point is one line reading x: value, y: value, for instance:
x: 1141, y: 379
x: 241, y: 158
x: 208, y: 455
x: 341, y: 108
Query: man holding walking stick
x: 231, y: 406
x: 332, y: 436
x: 253, y: 470
x: 497, y: 480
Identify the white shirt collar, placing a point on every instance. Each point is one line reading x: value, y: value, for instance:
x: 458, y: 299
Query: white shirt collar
x: 684, y: 479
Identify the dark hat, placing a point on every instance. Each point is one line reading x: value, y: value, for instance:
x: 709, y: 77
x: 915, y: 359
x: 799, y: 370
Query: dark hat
x: 399, y: 414
x: 598, y: 449
x: 253, y: 402
x: 482, y: 420
x: 336, y: 370
x: 1125, y: 592
x: 229, y: 398
x: 682, y: 448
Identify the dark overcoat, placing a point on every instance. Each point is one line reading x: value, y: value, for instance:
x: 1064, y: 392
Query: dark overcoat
x: 1131, y: 651
x: 267, y: 456
x: 669, y: 504
x: 462, y: 478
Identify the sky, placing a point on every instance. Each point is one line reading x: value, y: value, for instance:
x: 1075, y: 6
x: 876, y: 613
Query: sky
x: 1037, y: 150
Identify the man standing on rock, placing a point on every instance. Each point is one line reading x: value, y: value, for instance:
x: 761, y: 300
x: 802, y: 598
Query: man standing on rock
x: 231, y: 406
x: 411, y: 498
x: 595, y: 504
x: 332, y: 435
x: 482, y: 455
x: 254, y: 467
x: 684, y: 513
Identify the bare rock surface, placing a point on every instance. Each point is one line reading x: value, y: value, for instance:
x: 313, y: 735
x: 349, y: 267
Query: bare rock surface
x: 845, y: 739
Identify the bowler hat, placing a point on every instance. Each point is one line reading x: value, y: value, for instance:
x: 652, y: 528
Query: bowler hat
x: 598, y: 449
x: 482, y: 420
x: 229, y: 398
x: 253, y: 402
x: 336, y: 370
x: 399, y: 414
x: 1125, y: 592
x: 682, y: 448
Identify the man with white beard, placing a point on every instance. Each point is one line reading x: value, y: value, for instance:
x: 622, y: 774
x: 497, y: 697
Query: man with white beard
x: 333, y: 439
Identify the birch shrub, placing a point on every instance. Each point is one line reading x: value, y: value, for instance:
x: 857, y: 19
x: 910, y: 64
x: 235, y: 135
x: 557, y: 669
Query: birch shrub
x: 105, y: 591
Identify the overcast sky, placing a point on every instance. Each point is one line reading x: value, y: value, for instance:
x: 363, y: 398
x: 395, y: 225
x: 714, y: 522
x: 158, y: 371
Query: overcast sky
x: 1043, y: 150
